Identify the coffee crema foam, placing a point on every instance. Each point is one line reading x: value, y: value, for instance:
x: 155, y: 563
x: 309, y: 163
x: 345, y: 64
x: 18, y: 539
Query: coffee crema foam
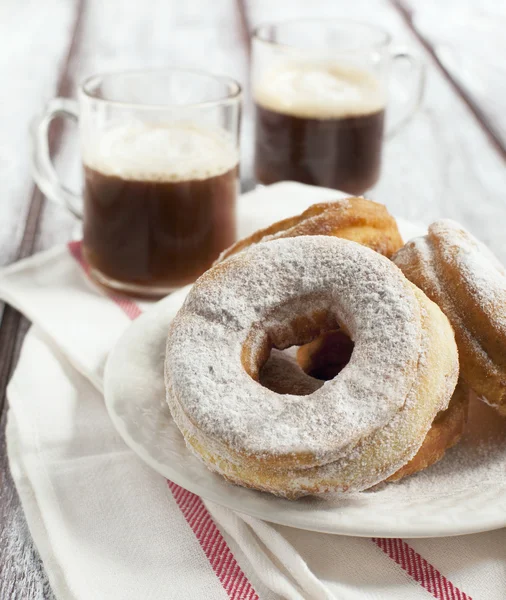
x: 162, y: 153
x: 319, y: 90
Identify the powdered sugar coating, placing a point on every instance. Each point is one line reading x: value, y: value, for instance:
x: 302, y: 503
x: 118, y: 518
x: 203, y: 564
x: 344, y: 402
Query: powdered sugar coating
x: 264, y: 289
x: 467, y: 281
x: 482, y: 274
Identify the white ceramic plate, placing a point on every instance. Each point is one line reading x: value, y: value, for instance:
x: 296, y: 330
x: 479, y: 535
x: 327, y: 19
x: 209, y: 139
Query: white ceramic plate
x: 464, y: 493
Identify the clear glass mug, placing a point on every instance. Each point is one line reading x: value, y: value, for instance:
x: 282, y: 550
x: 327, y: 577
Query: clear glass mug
x: 320, y: 90
x: 160, y: 153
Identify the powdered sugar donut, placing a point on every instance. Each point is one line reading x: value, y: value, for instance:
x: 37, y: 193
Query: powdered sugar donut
x: 305, y: 371
x: 468, y: 283
x: 355, y: 430
x: 326, y: 356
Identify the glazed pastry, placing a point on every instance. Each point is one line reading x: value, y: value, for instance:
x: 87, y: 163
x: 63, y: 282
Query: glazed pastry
x: 469, y: 285
x: 355, y: 219
x: 350, y: 434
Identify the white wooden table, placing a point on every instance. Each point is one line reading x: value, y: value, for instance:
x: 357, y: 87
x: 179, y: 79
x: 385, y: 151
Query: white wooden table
x: 450, y: 161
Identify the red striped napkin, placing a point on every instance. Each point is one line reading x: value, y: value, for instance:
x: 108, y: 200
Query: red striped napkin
x: 106, y: 526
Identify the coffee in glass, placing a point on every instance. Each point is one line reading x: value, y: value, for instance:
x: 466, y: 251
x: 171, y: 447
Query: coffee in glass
x: 321, y: 124
x: 160, y: 159
x: 159, y: 203
x: 320, y: 94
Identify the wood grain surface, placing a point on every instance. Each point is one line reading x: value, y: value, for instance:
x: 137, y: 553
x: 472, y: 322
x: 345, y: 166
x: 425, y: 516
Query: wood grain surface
x: 33, y: 70
x: 469, y: 44
x: 449, y: 161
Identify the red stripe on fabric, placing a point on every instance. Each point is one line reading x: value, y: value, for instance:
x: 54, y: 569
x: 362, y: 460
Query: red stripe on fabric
x: 131, y: 310
x: 233, y: 580
x: 419, y: 569
x: 210, y: 542
x: 76, y: 250
x: 200, y: 527
x: 229, y: 566
x: 239, y: 586
x: 230, y: 578
x: 404, y: 557
x: 213, y: 544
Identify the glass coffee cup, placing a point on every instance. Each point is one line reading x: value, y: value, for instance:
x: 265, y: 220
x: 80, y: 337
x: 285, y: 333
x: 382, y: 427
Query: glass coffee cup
x: 160, y: 158
x: 320, y: 91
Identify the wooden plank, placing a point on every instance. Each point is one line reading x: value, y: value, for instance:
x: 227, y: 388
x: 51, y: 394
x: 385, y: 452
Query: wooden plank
x: 442, y: 164
x: 20, y: 177
x: 33, y: 51
x: 120, y: 35
x: 21, y: 571
x: 470, y: 46
x: 32, y: 66
x: 34, y: 60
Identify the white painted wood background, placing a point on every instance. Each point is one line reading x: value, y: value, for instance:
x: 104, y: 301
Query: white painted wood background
x: 449, y: 161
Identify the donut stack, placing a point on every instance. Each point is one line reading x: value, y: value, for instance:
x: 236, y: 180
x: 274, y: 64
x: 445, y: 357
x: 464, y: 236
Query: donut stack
x: 371, y: 394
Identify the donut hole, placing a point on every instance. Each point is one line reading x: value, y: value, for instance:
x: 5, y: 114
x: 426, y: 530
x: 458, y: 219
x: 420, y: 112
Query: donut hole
x: 326, y: 356
x: 301, y: 370
x: 288, y: 326
x: 296, y: 355
x: 282, y: 374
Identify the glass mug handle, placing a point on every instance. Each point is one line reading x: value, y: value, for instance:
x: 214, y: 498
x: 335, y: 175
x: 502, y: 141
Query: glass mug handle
x: 417, y: 70
x: 42, y: 166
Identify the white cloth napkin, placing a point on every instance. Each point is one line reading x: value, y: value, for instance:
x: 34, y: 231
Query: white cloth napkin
x: 107, y: 527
